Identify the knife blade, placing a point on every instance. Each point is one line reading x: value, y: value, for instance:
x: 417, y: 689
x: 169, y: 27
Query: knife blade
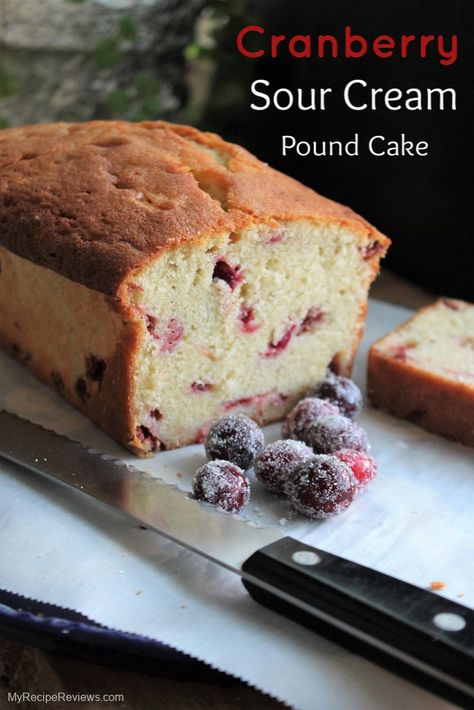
x: 417, y: 634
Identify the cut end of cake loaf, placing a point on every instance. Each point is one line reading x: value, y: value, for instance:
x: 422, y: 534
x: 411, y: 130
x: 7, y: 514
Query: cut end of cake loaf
x: 424, y: 370
x: 161, y: 278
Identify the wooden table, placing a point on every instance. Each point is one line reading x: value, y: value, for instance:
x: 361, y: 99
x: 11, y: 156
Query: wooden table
x: 24, y: 668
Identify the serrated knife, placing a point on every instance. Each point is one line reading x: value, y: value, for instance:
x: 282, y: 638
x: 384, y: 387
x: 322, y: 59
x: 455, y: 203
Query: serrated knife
x: 417, y: 634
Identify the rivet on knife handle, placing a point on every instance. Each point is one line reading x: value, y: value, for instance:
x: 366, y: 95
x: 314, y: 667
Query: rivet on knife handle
x: 416, y: 633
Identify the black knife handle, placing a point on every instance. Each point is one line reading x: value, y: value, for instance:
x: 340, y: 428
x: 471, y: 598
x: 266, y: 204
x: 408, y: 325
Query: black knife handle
x: 417, y: 634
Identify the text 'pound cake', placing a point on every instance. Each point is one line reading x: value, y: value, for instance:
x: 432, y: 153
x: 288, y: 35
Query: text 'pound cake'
x: 424, y: 370
x: 160, y: 277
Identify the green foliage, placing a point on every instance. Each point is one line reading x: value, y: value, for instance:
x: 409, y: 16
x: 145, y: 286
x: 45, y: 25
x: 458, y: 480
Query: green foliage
x: 138, y: 97
x: 107, y: 53
x: 139, y: 101
x: 118, y: 101
x: 127, y: 29
x: 8, y: 84
x: 146, y: 85
x: 4, y: 122
x: 215, y: 42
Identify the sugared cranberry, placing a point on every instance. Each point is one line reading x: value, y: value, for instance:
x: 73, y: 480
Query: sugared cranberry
x: 363, y: 466
x: 321, y: 486
x: 341, y: 391
x: 230, y: 274
x: 276, y: 348
x: 330, y: 433
x: 312, y: 319
x: 305, y: 412
x: 150, y: 441
x: 274, y: 465
x: 235, y: 438
x: 223, y: 484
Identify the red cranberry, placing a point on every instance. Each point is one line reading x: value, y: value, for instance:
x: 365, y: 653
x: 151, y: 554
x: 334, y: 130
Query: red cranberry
x: 150, y: 441
x: 371, y: 250
x: 172, y: 335
x: 312, y: 319
x: 330, y: 433
x: 341, y: 391
x: 81, y: 389
x: 167, y: 336
x: 275, y: 237
x: 235, y: 438
x: 304, y: 414
x: 451, y: 304
x: 247, y: 319
x: 223, y: 484
x: 400, y: 352
x: 230, y: 274
x: 151, y: 325
x: 274, y: 465
x: 57, y: 380
x: 199, y: 386
x: 363, y: 466
x: 275, y: 349
x: 321, y: 486
x: 96, y: 367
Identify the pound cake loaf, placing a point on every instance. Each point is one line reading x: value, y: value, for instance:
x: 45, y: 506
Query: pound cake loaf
x: 160, y: 277
x: 424, y: 370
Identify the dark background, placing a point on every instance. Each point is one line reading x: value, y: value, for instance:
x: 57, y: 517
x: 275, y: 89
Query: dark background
x: 423, y: 204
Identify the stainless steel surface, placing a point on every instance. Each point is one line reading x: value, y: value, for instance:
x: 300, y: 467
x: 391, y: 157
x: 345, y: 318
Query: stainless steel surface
x: 202, y: 528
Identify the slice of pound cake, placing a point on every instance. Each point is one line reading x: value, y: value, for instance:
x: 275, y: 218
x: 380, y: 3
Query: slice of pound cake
x: 160, y: 277
x: 424, y: 370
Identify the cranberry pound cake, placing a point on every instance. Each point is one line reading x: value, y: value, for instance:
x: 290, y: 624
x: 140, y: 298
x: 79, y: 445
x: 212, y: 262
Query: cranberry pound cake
x: 424, y: 370
x: 160, y: 277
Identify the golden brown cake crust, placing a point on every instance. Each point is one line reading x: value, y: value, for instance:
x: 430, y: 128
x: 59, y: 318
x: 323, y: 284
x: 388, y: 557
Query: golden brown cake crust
x: 96, y: 201
x: 437, y: 404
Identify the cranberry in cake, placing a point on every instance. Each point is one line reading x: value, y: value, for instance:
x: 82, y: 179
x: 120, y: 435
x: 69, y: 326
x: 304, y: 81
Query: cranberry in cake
x: 321, y: 487
x: 223, y: 484
x: 199, y: 279
x: 275, y: 464
x: 424, y: 370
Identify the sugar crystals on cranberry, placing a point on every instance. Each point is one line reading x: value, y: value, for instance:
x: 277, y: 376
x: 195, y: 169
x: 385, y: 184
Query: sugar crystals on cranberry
x: 275, y: 463
x: 331, y: 433
x: 305, y: 412
x: 222, y: 483
x: 235, y: 438
x: 340, y: 391
x: 321, y: 486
